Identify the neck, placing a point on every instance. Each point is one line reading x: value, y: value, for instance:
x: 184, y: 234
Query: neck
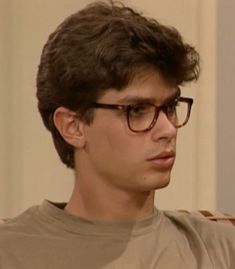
x: 102, y: 203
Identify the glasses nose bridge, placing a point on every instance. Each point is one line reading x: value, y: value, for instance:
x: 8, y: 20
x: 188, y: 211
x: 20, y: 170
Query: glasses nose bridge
x: 156, y: 114
x: 158, y: 110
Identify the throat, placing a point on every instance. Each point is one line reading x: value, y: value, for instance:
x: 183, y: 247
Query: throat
x: 120, y: 205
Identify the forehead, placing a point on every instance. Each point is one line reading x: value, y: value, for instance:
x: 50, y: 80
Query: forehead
x: 148, y: 85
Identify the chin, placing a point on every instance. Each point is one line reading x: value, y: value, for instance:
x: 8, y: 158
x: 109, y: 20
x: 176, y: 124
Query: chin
x: 163, y: 185
x: 158, y: 181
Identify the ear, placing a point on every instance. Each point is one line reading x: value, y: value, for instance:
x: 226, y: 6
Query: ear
x: 69, y: 126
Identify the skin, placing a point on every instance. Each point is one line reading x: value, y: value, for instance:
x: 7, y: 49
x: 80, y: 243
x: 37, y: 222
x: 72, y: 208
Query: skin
x: 116, y: 174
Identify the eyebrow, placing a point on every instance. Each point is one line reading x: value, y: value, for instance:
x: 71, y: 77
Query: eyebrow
x: 139, y: 99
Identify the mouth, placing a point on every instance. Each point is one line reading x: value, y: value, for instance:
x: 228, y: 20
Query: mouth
x: 163, y: 161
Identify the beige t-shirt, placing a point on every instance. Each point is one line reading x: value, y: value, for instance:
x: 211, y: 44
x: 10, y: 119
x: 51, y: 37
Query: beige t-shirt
x: 47, y: 237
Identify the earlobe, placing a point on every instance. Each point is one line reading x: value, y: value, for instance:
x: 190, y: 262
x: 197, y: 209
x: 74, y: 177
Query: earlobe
x: 69, y: 126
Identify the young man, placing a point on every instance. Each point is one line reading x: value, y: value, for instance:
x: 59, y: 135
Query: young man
x: 108, y: 91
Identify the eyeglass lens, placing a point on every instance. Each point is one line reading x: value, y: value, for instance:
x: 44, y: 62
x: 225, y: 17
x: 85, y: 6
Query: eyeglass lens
x: 142, y: 116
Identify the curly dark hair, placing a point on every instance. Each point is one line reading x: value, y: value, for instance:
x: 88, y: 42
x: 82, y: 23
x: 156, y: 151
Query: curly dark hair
x: 100, y: 47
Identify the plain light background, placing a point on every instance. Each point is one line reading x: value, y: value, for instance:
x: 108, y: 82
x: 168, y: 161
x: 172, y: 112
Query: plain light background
x: 30, y: 170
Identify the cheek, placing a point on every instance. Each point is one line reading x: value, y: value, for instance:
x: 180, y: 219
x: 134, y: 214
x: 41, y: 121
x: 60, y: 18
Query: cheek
x: 114, y: 148
x: 113, y: 145
x: 117, y: 149
x: 122, y: 145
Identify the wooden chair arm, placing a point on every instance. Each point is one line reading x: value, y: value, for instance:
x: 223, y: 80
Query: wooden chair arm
x: 213, y: 216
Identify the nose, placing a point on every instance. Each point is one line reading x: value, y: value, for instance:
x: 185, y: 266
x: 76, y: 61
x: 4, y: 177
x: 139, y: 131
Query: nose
x: 163, y: 128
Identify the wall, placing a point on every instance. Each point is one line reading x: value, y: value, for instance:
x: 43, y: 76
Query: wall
x: 225, y: 107
x: 4, y: 102
x: 30, y: 169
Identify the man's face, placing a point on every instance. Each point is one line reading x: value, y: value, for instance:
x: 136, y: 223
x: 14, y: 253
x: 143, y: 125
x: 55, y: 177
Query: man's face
x: 118, y: 158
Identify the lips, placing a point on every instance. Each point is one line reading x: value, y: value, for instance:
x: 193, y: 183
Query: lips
x: 163, y: 160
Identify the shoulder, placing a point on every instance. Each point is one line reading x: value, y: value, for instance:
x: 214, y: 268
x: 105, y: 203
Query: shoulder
x: 203, y: 222
x: 17, y: 232
x: 207, y: 232
x: 214, y: 231
x: 37, y: 220
x: 19, y: 224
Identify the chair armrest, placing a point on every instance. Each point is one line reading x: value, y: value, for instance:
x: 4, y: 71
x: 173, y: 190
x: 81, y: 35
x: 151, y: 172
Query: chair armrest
x: 2, y: 221
x: 213, y: 216
x: 219, y: 217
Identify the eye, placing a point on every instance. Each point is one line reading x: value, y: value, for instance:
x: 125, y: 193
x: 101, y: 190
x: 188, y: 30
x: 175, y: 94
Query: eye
x: 140, y: 110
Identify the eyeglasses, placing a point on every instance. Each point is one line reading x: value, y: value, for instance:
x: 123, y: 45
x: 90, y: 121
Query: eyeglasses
x: 141, y: 117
